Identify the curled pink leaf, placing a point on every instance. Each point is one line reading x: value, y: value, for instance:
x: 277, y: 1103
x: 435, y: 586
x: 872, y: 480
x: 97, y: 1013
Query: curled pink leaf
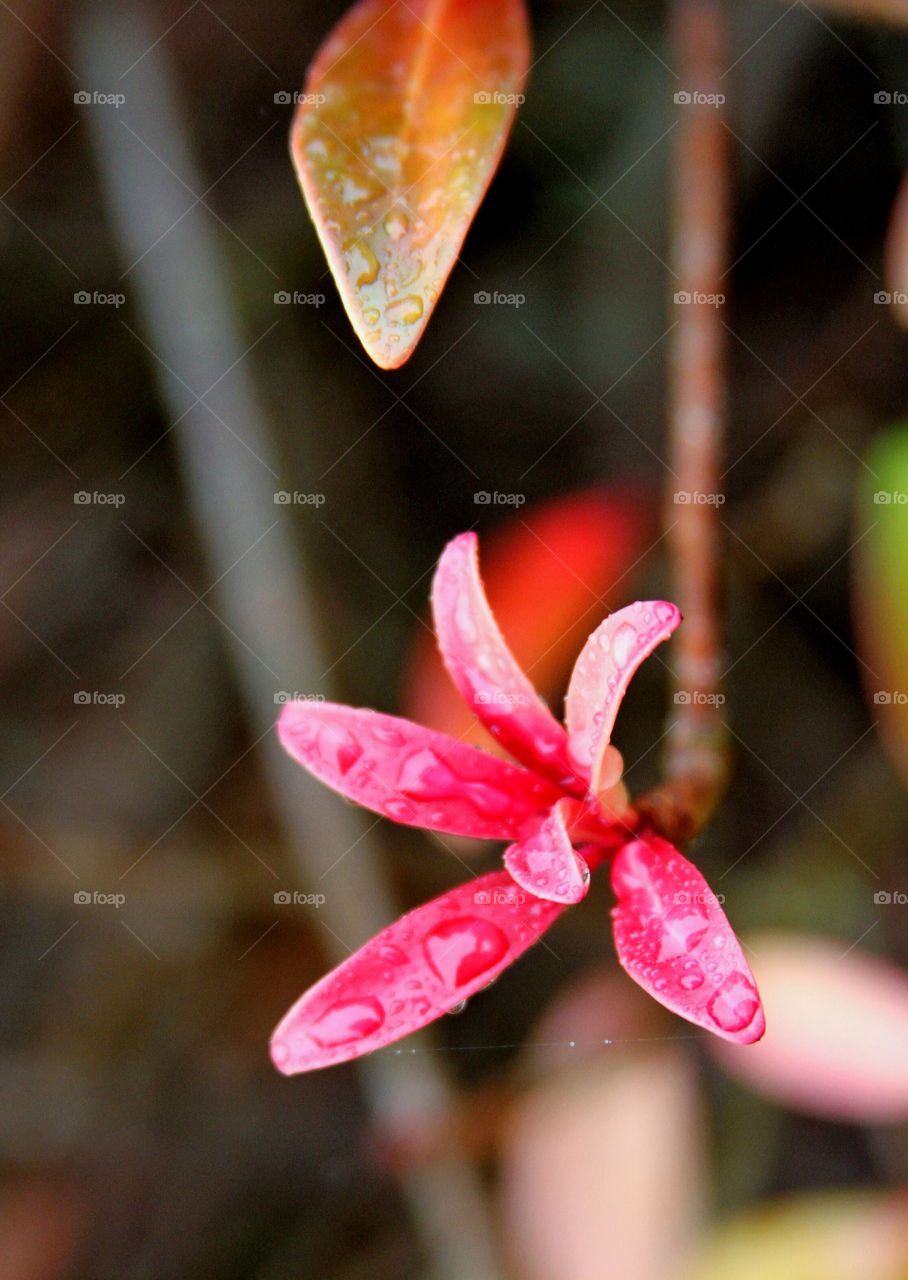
x: 545, y: 862
x: 485, y: 671
x: 415, y: 776
x: 673, y: 938
x: 602, y: 673
x: 411, y: 973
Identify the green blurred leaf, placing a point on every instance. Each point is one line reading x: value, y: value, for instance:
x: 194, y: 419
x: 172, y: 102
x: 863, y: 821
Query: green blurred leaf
x: 881, y: 587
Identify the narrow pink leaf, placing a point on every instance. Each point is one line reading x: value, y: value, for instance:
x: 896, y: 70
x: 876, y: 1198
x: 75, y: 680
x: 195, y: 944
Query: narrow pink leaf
x: 411, y: 973
x: 486, y: 672
x: 545, y: 862
x: 603, y: 671
x: 673, y: 938
x: 407, y: 107
x: 414, y: 775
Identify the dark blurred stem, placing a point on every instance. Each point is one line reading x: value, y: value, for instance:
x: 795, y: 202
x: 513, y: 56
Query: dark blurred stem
x: 187, y: 312
x: 696, y: 764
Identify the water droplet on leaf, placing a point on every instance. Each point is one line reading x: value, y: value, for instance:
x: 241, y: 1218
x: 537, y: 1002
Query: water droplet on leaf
x: 347, y: 1021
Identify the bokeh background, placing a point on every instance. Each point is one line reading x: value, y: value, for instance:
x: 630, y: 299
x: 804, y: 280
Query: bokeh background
x: 158, y: 603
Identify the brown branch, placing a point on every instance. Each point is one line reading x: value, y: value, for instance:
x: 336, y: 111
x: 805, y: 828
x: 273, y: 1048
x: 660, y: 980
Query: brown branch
x: 696, y: 762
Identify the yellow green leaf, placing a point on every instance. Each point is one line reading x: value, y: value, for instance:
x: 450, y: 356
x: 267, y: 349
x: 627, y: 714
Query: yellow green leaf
x: 880, y: 566
x: 406, y: 110
x: 840, y: 1235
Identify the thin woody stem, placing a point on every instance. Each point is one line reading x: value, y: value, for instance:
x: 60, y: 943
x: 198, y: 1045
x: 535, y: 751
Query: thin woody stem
x: 696, y: 763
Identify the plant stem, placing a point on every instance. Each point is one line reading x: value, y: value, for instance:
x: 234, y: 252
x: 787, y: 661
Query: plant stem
x: 187, y: 312
x: 696, y: 764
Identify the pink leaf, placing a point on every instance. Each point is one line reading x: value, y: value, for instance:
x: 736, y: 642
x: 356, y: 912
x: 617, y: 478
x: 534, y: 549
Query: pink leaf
x: 545, y: 862
x: 672, y: 938
x: 837, y: 1042
x: 486, y: 672
x: 603, y: 1169
x: 411, y: 973
x: 411, y: 774
x: 572, y: 552
x: 603, y: 671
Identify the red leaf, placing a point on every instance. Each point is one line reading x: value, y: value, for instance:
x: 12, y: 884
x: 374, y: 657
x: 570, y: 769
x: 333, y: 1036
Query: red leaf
x: 404, y: 119
x: 605, y: 668
x: 673, y: 939
x: 411, y: 774
x: 485, y: 671
x: 549, y: 575
x: 411, y: 973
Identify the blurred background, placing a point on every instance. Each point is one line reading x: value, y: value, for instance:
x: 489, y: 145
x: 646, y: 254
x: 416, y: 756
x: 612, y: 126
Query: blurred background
x: 210, y: 501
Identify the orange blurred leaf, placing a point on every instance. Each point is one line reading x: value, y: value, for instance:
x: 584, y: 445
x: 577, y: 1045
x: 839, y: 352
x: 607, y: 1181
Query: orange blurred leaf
x: 836, y: 1038
x: 551, y: 575
x: 401, y: 127
x: 40, y: 1230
